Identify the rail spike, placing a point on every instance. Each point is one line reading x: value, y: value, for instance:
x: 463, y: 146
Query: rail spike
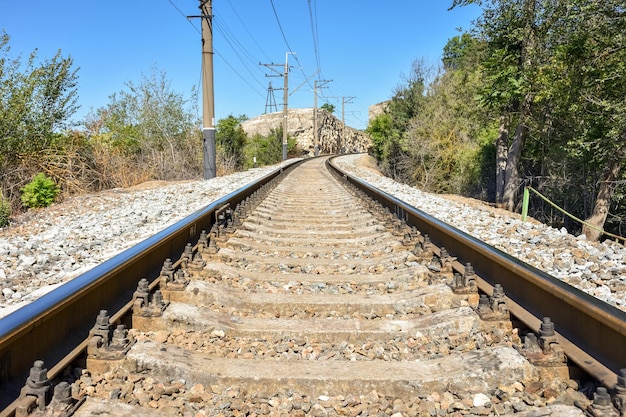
x: 442, y: 262
x: 105, y: 344
x: 544, y: 350
x: 411, y: 237
x: 212, y: 247
x: 493, y: 308
x: 620, y: 392
x: 173, y: 280
x: 423, y: 248
x: 63, y: 404
x: 145, y: 305
x: 37, y: 385
x: 203, y: 241
x: 195, y: 263
x: 601, y: 405
x: 466, y: 283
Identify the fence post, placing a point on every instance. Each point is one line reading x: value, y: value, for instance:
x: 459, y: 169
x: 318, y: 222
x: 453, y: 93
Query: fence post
x: 525, y: 201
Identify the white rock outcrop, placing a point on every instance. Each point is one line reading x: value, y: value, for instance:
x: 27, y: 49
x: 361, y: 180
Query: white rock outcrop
x: 333, y: 136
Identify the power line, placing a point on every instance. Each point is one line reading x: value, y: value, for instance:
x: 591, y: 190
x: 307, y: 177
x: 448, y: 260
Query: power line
x: 287, y: 43
x: 184, y: 15
x: 235, y: 46
x: 315, y: 36
x: 216, y: 52
x: 248, y: 31
x: 280, y: 26
x: 238, y: 74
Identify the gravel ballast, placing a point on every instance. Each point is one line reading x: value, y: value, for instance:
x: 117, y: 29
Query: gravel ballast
x: 46, y: 248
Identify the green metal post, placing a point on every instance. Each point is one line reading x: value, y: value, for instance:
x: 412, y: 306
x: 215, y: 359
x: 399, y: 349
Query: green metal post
x: 525, y: 204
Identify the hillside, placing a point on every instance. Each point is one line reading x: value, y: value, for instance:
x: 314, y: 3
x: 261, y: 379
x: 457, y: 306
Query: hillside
x: 332, y: 134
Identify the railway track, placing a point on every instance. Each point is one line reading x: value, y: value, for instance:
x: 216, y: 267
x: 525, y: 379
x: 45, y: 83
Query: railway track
x: 312, y: 299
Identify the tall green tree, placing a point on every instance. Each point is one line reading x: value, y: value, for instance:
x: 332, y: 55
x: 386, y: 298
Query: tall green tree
x: 266, y: 150
x: 520, y: 38
x: 330, y: 108
x: 37, y: 100
x: 588, y: 75
x: 230, y: 140
x: 554, y: 71
x: 389, y: 129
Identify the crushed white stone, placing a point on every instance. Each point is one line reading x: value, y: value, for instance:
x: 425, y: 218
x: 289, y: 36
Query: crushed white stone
x: 598, y: 269
x: 46, y: 248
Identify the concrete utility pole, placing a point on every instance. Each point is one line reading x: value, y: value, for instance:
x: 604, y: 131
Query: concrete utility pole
x: 208, y: 97
x: 344, y: 100
x: 316, y: 86
x: 285, y: 74
x: 285, y: 109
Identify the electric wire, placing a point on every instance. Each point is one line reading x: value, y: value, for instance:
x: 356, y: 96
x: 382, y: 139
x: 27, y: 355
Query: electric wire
x: 335, y: 94
x: 314, y: 31
x: 280, y: 26
x: 236, y: 46
x: 248, y: 31
x: 238, y: 74
x: 244, y: 54
x: 216, y: 52
x: 184, y: 15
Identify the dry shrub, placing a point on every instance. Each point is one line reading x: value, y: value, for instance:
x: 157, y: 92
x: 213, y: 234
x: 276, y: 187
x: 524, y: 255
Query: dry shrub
x: 225, y: 164
x: 118, y: 171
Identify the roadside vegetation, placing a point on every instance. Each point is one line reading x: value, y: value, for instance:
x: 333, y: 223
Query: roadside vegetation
x: 145, y: 132
x: 533, y: 96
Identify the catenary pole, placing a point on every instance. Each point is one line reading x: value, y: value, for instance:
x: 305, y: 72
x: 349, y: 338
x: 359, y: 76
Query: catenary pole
x: 344, y: 100
x: 285, y: 75
x: 316, y: 139
x: 208, y: 95
x: 285, y: 106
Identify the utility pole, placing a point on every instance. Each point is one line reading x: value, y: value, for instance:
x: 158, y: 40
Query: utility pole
x: 285, y: 110
x: 316, y: 86
x: 285, y: 74
x: 208, y: 97
x: 344, y: 100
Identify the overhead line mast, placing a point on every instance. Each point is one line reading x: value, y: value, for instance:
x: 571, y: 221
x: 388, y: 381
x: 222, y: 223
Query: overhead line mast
x: 208, y: 94
x: 316, y: 139
x: 285, y: 75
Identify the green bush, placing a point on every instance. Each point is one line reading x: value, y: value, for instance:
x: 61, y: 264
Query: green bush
x: 5, y: 211
x: 40, y: 192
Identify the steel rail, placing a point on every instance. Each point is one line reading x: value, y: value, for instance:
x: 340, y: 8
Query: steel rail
x: 592, y: 332
x: 56, y: 325
x: 62, y: 319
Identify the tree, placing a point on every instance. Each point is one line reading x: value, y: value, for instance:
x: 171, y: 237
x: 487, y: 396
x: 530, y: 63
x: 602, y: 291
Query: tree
x: 37, y: 100
x: 388, y: 130
x: 379, y: 130
x: 230, y: 140
x: 519, y: 37
x: 589, y: 76
x: 330, y: 108
x: 148, y: 131
x: 267, y: 150
x: 449, y: 133
x: 561, y: 94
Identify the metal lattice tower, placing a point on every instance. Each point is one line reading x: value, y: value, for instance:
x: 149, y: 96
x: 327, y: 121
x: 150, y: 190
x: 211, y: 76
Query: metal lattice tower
x: 270, y: 101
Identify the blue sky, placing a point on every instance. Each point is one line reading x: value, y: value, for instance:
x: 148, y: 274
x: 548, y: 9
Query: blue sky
x: 363, y: 46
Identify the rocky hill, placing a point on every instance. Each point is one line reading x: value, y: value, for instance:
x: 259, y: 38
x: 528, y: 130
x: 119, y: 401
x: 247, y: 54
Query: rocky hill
x: 333, y: 135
